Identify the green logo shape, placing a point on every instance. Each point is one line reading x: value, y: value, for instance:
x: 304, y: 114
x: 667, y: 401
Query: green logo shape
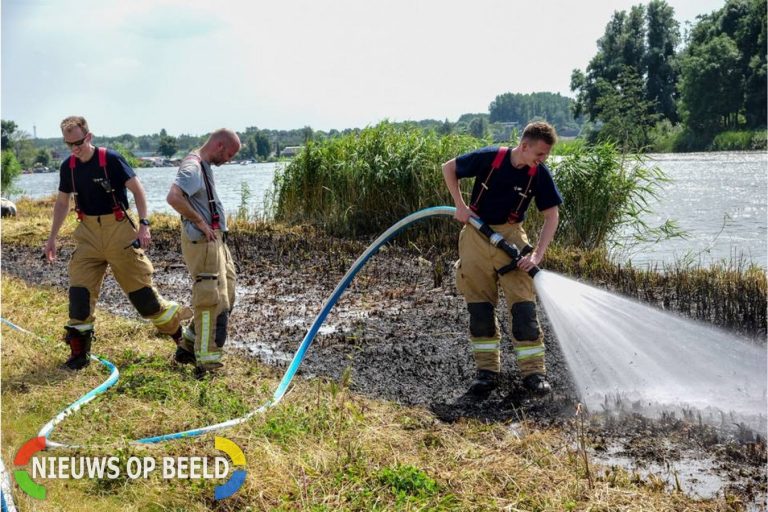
x: 28, y: 485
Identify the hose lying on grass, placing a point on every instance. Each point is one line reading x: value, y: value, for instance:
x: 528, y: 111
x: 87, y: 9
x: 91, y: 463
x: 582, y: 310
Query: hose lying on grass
x: 298, y: 357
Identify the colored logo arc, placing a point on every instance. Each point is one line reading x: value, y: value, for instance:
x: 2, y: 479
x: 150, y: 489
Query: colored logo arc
x: 23, y: 479
x: 237, y: 479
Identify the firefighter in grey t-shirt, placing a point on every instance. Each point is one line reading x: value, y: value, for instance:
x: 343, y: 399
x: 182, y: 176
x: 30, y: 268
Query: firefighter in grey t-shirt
x: 203, y: 246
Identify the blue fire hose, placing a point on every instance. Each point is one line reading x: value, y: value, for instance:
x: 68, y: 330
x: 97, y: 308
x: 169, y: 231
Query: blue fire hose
x: 292, y: 367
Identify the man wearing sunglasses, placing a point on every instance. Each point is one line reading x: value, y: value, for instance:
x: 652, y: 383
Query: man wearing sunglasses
x: 98, y: 179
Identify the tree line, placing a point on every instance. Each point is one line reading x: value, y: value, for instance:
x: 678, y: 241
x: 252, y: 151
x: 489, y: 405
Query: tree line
x: 649, y: 86
x: 257, y: 144
x: 640, y: 87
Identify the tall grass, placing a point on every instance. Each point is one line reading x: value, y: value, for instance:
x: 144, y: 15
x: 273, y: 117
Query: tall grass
x: 678, y: 139
x: 361, y: 183
x: 729, y: 294
x: 245, y: 196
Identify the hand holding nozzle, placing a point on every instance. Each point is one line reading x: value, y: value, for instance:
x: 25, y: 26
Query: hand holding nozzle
x: 509, y: 248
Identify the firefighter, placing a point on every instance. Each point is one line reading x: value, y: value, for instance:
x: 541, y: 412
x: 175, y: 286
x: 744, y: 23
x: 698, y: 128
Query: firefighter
x: 105, y: 236
x: 505, y: 183
x: 203, y: 246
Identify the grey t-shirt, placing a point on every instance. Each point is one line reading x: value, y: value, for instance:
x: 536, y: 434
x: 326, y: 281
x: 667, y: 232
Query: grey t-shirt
x: 189, y: 179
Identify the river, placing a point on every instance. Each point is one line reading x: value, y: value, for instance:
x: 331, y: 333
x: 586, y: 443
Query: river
x: 719, y: 199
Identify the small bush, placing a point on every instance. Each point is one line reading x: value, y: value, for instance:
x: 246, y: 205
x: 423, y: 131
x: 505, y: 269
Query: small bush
x: 9, y: 170
x: 407, y: 481
x: 736, y: 140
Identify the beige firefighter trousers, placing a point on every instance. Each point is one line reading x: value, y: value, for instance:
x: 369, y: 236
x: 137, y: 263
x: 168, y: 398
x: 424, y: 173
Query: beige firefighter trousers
x: 213, y: 292
x: 478, y: 282
x: 102, y: 240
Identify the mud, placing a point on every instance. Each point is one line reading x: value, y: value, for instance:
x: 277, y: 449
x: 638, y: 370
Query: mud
x: 401, y: 328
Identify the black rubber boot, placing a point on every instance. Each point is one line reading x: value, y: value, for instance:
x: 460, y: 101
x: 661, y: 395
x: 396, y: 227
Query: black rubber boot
x: 183, y: 356
x: 485, y: 382
x: 176, y: 337
x: 537, y: 384
x: 80, y: 348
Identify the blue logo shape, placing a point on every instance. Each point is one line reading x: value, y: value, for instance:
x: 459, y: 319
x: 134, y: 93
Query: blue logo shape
x: 237, y: 479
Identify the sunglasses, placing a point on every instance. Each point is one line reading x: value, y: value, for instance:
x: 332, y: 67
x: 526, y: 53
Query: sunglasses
x: 77, y: 143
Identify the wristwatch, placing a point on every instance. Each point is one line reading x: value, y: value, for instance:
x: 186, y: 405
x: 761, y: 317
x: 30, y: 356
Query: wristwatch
x: 144, y: 222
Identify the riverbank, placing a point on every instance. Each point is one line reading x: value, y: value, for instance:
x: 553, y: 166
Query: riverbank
x: 720, y: 227
x: 380, y: 392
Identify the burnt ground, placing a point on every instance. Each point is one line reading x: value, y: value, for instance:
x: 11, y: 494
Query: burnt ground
x: 401, y: 329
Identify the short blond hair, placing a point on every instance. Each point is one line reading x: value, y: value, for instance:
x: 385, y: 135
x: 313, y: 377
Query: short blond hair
x: 74, y: 122
x: 540, y: 131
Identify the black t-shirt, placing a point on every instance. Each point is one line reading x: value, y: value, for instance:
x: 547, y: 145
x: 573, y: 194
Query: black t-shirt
x: 506, y: 186
x: 92, y: 196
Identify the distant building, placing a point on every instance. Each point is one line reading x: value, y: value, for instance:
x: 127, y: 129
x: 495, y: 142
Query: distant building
x: 291, y: 151
x: 507, y: 128
x: 156, y: 161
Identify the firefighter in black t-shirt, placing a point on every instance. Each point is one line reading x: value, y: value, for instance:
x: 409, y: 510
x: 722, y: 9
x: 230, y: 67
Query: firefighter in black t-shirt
x: 505, y: 183
x: 105, y: 235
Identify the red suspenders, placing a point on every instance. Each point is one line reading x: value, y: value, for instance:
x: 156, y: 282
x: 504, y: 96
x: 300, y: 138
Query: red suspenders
x: 117, y: 210
x: 500, y: 154
x: 514, y: 216
x: 209, y: 192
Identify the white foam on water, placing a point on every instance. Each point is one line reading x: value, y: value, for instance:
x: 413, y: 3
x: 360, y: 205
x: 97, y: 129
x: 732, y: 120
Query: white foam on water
x: 615, y: 346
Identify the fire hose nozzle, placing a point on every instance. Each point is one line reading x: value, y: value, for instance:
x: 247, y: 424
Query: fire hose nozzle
x: 508, y: 247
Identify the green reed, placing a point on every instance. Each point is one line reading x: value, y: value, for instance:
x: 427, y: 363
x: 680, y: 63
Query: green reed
x: 739, y: 140
x: 360, y: 184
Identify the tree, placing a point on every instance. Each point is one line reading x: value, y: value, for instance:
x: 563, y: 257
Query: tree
x: 307, y: 133
x: 8, y: 129
x: 132, y: 160
x: 478, y: 127
x: 745, y: 22
x: 660, y: 62
x: 524, y: 108
x: 167, y: 146
x: 446, y: 128
x: 263, y: 145
x: 23, y: 148
x: 627, y: 115
x: 711, y: 86
x: 621, y: 46
x: 723, y: 70
x: 43, y: 157
x: 248, y: 148
x: 633, y: 42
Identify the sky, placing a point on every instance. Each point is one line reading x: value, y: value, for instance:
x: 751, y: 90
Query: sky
x: 191, y: 66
